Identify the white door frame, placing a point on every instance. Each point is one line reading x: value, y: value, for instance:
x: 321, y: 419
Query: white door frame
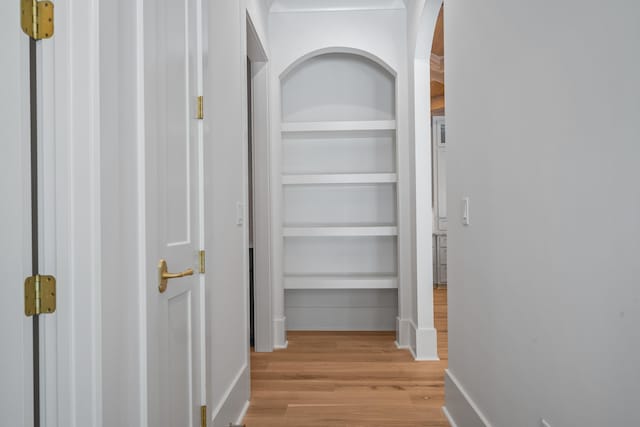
x: 423, y: 322
x: 93, y: 172
x: 260, y: 146
x: 70, y: 210
x: 16, y: 370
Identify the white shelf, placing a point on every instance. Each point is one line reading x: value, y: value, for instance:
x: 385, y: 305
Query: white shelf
x: 340, y: 178
x: 340, y: 231
x: 340, y: 282
x: 339, y: 126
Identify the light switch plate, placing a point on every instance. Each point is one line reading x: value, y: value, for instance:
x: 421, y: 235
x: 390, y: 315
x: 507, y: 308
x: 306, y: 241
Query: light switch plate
x: 465, y: 211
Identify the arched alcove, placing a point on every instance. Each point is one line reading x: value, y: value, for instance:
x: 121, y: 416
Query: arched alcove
x: 338, y: 86
x: 339, y: 196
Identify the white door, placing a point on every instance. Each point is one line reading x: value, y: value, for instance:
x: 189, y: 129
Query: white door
x: 16, y: 380
x: 173, y: 212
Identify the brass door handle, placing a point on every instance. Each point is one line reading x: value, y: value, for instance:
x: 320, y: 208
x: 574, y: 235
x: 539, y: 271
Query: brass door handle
x: 164, y: 275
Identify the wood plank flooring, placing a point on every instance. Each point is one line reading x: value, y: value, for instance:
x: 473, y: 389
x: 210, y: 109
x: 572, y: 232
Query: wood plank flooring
x: 349, y: 379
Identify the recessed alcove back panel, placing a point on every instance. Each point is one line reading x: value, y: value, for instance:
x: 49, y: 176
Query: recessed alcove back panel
x: 338, y: 86
x: 339, y: 152
x: 340, y: 205
x: 340, y: 255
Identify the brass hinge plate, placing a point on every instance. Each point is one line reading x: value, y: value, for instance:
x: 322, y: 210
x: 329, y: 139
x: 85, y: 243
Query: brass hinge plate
x: 202, y: 262
x: 39, y: 295
x: 36, y: 18
x: 200, y: 108
x: 203, y: 416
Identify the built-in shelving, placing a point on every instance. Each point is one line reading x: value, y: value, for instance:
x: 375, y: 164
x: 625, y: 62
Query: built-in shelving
x: 340, y: 178
x: 339, y: 193
x: 339, y: 126
x: 340, y: 282
x: 319, y: 231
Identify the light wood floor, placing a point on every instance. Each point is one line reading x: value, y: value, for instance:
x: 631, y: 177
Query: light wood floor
x: 349, y: 379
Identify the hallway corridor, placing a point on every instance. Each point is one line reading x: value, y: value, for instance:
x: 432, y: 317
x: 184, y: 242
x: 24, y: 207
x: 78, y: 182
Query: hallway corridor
x: 349, y: 379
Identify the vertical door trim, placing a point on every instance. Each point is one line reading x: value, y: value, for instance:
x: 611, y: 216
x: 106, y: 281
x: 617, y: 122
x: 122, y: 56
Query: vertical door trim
x: 258, y: 113
x: 70, y: 233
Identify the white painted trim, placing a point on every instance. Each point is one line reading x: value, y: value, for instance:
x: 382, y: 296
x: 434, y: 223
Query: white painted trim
x: 402, y: 332
x: 460, y: 409
x: 338, y: 49
x: 338, y: 126
x: 227, y: 411
x: 340, y: 178
x: 141, y: 186
x: 200, y: 35
x: 340, y: 231
x: 72, y: 337
x: 277, y: 242
x: 281, y: 347
x: 243, y: 413
x: 419, y: 60
x: 293, y: 6
x: 423, y: 342
x: 448, y: 417
x: 280, y: 333
x: 262, y: 199
x: 340, y: 282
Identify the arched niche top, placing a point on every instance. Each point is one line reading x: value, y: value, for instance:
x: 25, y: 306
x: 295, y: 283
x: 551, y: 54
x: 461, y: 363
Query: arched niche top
x: 346, y: 50
x: 426, y: 26
x: 338, y: 85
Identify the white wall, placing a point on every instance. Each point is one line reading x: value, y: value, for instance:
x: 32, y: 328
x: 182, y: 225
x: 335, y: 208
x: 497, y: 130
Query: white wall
x: 226, y: 243
x: 544, y: 297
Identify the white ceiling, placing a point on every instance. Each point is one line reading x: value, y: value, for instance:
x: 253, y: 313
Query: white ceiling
x: 277, y: 6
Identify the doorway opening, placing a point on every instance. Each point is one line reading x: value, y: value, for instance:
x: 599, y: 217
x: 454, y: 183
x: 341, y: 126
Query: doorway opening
x: 258, y: 195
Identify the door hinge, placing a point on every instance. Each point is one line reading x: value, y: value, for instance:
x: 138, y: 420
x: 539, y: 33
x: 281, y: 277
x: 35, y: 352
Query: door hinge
x: 202, y: 262
x: 200, y: 108
x: 36, y: 18
x: 39, y: 295
x: 203, y: 416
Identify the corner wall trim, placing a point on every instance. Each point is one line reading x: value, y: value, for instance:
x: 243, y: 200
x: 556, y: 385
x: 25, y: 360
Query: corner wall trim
x: 460, y: 409
x: 402, y: 332
x: 423, y: 342
x: 279, y: 333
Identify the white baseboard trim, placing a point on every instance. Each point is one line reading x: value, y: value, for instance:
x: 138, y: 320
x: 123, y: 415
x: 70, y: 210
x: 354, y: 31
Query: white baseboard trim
x: 280, y: 332
x: 448, y: 416
x: 235, y: 400
x: 401, y: 347
x: 243, y: 412
x: 460, y: 409
x: 423, y: 342
x: 283, y: 347
x: 402, y: 332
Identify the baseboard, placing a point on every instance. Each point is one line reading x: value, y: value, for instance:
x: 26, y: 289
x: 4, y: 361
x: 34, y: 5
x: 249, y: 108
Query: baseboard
x: 460, y: 409
x: 423, y: 342
x: 402, y: 333
x: 280, y: 332
x: 243, y: 413
x: 281, y: 347
x: 452, y: 422
x: 235, y: 401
